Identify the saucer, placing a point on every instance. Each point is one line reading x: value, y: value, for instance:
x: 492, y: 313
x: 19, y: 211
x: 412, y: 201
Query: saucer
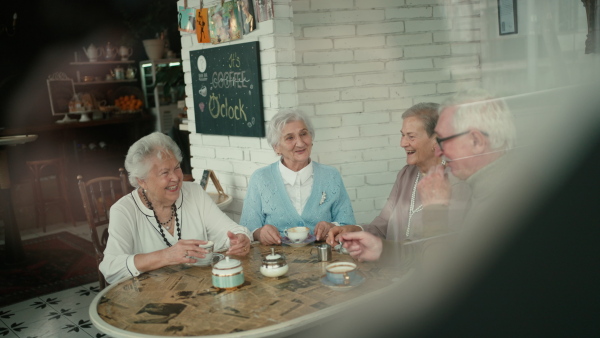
x: 217, y: 257
x: 310, y: 239
x: 358, y: 280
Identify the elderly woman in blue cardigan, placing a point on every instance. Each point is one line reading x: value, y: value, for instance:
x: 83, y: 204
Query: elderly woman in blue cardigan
x: 294, y: 191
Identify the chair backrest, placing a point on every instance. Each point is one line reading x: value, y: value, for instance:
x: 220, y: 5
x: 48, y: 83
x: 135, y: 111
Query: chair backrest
x: 98, y: 195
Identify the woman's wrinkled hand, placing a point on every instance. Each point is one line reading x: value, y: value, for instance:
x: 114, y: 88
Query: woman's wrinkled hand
x: 183, y: 250
x: 268, y: 235
x: 333, y: 234
x: 322, y: 229
x: 239, y: 244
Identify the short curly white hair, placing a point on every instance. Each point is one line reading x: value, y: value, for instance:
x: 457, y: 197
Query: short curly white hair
x: 137, y: 161
x: 278, y: 122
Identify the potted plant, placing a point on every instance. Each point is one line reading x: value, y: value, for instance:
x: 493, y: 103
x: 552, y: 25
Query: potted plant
x: 173, y: 82
x: 150, y: 25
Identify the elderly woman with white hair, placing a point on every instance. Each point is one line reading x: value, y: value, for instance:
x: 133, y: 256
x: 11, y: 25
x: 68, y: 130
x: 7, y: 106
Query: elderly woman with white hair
x: 294, y: 191
x: 164, y: 220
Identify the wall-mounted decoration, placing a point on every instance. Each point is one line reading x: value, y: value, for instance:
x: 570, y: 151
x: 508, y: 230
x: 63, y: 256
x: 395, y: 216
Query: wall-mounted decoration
x: 247, y: 14
x: 186, y: 19
x: 224, y: 22
x: 507, y: 17
x: 202, y: 25
x: 227, y: 93
x: 592, y: 45
x: 263, y: 10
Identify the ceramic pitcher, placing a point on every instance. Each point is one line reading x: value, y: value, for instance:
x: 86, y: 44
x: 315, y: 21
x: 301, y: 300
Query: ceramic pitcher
x: 93, y: 52
x: 125, y: 52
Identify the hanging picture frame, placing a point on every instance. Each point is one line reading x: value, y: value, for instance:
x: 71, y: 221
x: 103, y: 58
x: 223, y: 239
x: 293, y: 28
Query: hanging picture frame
x: 224, y: 22
x: 186, y: 19
x: 507, y: 17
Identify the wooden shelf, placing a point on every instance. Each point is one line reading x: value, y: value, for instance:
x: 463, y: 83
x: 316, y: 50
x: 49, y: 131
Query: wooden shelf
x: 78, y: 63
x: 103, y: 82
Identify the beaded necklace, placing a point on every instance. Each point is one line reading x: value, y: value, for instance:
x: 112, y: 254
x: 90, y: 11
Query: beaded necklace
x: 160, y: 228
x: 412, y: 209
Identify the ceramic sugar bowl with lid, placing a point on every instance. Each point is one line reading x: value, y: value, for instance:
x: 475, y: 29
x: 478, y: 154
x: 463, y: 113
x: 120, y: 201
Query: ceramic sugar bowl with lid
x: 274, y: 265
x: 228, y: 273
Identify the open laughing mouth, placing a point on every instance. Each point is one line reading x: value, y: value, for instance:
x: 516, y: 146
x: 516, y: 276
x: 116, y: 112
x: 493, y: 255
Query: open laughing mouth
x: 410, y: 152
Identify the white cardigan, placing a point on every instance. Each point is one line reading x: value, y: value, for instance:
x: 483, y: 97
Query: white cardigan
x: 133, y: 229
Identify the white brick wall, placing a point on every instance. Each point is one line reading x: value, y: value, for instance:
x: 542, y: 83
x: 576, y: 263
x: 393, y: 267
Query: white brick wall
x: 354, y: 66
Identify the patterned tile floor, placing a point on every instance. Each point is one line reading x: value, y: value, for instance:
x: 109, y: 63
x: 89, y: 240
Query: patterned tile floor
x: 59, y: 314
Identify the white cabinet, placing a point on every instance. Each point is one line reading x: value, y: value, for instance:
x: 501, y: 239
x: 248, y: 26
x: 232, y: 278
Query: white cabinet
x: 163, y: 108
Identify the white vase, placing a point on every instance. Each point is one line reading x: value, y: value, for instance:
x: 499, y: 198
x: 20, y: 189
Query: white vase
x: 155, y: 48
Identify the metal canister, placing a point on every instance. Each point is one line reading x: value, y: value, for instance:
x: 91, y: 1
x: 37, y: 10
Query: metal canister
x: 323, y: 252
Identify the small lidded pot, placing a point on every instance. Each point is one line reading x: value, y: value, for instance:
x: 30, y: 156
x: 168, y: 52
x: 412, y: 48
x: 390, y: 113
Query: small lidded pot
x: 274, y: 265
x: 228, y: 273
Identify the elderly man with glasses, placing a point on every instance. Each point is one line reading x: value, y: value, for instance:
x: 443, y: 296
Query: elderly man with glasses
x: 474, y: 132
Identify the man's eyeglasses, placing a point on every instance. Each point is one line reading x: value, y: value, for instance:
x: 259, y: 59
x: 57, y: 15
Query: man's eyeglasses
x: 443, y: 139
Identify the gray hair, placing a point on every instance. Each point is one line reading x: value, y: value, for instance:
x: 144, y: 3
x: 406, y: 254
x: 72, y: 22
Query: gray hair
x: 278, y: 122
x: 137, y: 161
x: 479, y: 109
x: 427, y: 112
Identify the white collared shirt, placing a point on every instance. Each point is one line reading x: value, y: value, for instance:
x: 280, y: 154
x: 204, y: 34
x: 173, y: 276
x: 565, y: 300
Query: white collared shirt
x: 297, y: 184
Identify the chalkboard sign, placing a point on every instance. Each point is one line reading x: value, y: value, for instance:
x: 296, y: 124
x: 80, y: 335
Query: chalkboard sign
x: 227, y: 90
x: 61, y: 91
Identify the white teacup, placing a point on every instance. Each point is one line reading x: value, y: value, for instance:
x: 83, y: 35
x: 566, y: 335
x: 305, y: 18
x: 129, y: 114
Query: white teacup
x: 208, y: 257
x: 341, y: 273
x: 297, y: 234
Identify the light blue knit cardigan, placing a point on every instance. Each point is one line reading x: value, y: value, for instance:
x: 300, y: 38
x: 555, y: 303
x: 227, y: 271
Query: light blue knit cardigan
x: 267, y: 201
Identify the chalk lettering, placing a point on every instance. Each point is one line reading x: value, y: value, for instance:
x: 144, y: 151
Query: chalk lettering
x: 217, y: 109
x: 229, y: 79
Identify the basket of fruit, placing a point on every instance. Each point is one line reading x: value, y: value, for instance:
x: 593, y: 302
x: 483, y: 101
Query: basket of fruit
x: 127, y: 100
x: 128, y: 104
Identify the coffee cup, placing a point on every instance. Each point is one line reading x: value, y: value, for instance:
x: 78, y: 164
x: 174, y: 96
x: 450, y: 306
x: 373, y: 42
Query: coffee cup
x: 341, y: 273
x: 208, y: 257
x: 297, y: 234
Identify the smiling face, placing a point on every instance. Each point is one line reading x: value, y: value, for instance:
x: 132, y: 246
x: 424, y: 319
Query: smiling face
x: 295, y: 145
x: 418, y: 145
x: 164, y: 180
x: 458, y: 150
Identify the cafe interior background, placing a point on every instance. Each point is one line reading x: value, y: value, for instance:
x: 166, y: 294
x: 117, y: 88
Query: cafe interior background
x: 352, y: 65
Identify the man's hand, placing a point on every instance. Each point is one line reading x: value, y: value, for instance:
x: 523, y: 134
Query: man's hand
x: 362, y: 245
x: 332, y: 236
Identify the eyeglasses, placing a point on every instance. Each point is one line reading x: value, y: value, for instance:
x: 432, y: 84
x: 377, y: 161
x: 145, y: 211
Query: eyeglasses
x: 443, y: 139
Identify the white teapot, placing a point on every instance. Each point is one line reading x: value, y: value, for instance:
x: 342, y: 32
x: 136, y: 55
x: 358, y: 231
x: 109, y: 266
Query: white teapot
x: 93, y: 52
x: 130, y: 73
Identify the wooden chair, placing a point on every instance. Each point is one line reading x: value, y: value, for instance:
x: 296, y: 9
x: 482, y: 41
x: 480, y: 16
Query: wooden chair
x: 98, y: 195
x: 41, y: 170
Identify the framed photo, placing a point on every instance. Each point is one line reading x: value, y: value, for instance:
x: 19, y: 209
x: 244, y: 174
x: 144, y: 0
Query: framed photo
x: 507, y: 17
